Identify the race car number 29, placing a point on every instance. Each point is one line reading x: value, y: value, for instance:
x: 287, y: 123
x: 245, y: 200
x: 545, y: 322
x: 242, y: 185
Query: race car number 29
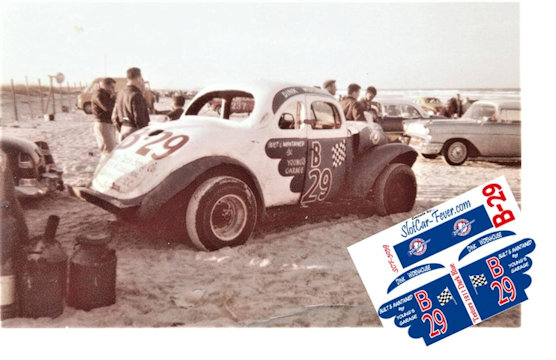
x: 170, y: 143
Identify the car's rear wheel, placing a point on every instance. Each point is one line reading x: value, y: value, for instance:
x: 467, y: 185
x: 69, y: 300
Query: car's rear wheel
x: 395, y: 190
x: 456, y: 152
x: 221, y: 212
x: 88, y: 108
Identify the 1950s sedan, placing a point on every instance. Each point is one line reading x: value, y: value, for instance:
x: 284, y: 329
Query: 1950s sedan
x: 393, y: 113
x: 220, y: 170
x: 489, y: 130
x: 32, y: 165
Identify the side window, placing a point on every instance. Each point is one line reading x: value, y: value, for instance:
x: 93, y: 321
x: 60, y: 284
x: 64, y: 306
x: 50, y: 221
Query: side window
x: 480, y: 112
x: 510, y: 115
x: 292, y: 116
x: 213, y: 107
x: 326, y: 116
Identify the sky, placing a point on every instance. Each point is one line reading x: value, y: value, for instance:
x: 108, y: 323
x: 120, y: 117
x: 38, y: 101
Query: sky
x: 184, y: 45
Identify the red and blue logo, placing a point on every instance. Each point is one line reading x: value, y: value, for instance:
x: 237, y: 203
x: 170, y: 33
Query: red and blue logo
x: 418, y: 246
x: 462, y: 227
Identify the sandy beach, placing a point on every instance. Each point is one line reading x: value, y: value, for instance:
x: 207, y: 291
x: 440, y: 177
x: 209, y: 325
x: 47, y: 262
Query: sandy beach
x: 296, y: 271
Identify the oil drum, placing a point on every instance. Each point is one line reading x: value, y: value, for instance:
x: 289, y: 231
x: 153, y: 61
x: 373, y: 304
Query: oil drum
x: 92, y: 273
x: 42, y: 274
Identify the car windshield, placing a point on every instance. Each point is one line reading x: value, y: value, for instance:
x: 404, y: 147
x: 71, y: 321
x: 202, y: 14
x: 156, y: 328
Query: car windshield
x: 226, y: 104
x: 401, y: 110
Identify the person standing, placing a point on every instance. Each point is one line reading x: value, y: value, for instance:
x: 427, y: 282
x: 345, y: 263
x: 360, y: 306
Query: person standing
x: 131, y: 111
x: 177, y: 108
x: 330, y: 86
x: 102, y: 102
x: 368, y: 104
x: 353, y: 108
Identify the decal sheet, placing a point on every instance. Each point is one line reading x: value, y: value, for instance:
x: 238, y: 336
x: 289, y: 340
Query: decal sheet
x: 450, y: 267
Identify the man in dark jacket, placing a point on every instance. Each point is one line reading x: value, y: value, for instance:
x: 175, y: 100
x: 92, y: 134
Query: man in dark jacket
x: 131, y: 111
x: 353, y: 108
x: 368, y: 104
x: 102, y: 103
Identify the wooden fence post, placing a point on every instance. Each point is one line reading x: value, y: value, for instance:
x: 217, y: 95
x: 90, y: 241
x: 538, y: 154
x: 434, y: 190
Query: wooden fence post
x: 61, y: 97
x: 69, y: 96
x: 53, y: 97
x: 28, y: 97
x: 40, y: 96
x: 15, y: 104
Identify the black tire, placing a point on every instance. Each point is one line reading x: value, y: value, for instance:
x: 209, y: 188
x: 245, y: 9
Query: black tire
x: 395, y: 190
x: 88, y: 108
x: 430, y: 156
x: 455, y: 152
x: 221, y: 212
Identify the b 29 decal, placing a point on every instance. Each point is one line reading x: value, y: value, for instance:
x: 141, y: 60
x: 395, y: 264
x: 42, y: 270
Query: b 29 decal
x: 317, y: 167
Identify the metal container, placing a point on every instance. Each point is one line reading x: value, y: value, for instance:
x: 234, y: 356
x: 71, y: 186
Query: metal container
x: 92, y: 273
x: 42, y: 275
x: 13, y: 234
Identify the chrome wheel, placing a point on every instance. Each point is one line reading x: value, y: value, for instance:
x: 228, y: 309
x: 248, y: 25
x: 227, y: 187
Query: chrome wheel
x: 228, y: 217
x: 456, y: 153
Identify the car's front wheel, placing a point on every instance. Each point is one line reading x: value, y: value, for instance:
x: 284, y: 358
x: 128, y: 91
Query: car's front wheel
x: 221, y: 212
x: 455, y: 153
x: 395, y: 190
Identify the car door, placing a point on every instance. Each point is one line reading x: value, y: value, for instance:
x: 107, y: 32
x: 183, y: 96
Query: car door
x: 327, y: 151
x: 288, y: 144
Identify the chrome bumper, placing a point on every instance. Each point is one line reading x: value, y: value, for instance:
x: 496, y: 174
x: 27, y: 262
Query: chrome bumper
x: 33, y: 188
x: 423, y: 146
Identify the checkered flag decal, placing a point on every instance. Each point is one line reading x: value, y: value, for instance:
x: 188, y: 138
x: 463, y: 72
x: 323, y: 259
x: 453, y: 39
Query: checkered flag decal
x: 445, y: 297
x: 478, y: 280
x: 339, y: 153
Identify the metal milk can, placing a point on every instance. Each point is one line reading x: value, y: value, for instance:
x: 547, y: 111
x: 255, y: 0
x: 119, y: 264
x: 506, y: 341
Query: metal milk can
x: 92, y: 273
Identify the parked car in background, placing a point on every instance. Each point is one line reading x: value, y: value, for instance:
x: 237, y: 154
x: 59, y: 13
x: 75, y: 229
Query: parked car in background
x: 34, y: 172
x: 489, y: 130
x: 430, y: 104
x: 84, y: 98
x: 215, y: 175
x: 393, y: 112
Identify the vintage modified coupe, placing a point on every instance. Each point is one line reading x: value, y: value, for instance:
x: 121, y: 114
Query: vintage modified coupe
x: 32, y: 166
x: 220, y: 171
x: 489, y: 130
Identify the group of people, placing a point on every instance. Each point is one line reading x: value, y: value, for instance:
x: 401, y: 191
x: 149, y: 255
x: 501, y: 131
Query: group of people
x: 353, y: 108
x: 119, y: 115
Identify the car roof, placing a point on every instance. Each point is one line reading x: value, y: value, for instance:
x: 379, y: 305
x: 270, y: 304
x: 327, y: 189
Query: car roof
x: 258, y: 87
x: 501, y: 103
x: 266, y: 91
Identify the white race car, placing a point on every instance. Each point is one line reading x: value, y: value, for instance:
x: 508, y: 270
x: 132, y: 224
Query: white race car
x: 286, y: 145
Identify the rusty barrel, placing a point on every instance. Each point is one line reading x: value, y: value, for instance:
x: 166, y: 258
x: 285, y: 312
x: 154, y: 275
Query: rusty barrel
x: 42, y: 275
x: 92, y: 273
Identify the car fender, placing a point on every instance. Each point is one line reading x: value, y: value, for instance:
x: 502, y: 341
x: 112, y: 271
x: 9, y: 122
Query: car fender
x: 367, y: 167
x: 183, y: 177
